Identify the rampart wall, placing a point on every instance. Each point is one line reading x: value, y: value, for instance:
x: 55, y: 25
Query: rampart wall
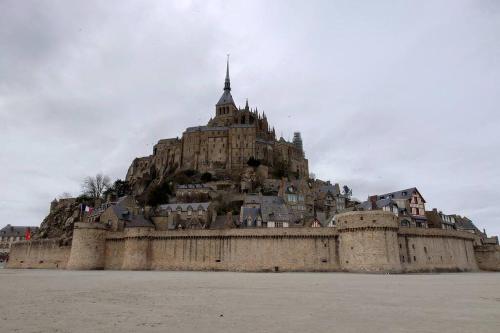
x: 233, y: 249
x: 47, y: 253
x: 362, y: 242
x: 488, y: 257
x: 424, y: 250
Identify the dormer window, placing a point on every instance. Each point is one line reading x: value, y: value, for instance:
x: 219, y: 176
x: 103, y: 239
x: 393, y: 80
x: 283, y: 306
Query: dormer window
x: 404, y: 193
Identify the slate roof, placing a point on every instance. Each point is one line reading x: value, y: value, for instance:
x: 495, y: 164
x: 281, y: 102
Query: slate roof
x: 14, y: 231
x: 464, y: 223
x: 380, y: 203
x: 333, y: 189
x: 131, y: 220
x: 247, y: 212
x: 226, y: 98
x: 402, y: 194
x: 272, y: 208
x: 138, y: 221
x: 323, y: 219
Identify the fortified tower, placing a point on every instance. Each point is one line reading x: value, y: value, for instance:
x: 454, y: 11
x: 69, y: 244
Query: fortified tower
x: 88, y: 246
x: 368, y: 242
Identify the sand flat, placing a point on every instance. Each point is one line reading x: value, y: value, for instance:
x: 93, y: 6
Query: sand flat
x: 149, y: 301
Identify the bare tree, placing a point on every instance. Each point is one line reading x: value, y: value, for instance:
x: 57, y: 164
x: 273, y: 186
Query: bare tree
x: 64, y: 195
x: 95, y: 186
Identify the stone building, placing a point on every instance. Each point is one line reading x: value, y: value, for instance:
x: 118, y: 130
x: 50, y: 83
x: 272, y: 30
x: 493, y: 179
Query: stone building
x: 408, y: 205
x: 328, y: 198
x: 266, y: 212
x: 224, y: 145
x: 437, y: 219
x: 196, y: 215
x: 123, y: 214
x: 10, y: 234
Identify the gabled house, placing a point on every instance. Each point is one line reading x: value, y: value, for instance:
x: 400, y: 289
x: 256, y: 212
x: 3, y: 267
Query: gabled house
x: 196, y: 215
x: 437, y: 219
x: 408, y: 205
x: 119, y: 216
x: 266, y: 211
x: 410, y: 202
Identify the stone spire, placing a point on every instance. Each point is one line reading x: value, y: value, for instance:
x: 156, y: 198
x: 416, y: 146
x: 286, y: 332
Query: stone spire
x: 226, y: 98
x: 246, y: 105
x: 227, y: 81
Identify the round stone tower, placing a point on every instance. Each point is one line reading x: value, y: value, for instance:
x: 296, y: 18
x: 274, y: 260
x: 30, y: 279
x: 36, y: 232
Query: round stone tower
x: 136, y: 254
x: 88, y: 246
x: 368, y: 242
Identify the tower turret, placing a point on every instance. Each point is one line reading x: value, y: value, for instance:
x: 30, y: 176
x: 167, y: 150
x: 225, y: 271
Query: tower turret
x: 297, y: 142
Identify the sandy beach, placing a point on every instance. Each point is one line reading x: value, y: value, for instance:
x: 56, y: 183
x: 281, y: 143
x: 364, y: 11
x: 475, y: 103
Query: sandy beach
x: 119, y: 301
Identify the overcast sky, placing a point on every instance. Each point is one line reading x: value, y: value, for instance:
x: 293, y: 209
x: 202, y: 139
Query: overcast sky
x: 387, y: 94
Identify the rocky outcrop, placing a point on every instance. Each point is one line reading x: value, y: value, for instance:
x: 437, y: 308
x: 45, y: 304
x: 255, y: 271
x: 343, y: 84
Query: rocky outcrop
x: 59, y: 223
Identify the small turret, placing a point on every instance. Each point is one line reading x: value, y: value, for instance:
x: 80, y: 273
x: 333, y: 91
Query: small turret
x: 53, y: 205
x: 297, y: 142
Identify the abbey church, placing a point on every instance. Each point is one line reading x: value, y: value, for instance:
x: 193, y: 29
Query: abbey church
x: 224, y: 145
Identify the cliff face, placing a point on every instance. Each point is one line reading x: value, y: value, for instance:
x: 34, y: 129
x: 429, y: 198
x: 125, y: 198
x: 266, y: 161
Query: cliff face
x: 59, y: 223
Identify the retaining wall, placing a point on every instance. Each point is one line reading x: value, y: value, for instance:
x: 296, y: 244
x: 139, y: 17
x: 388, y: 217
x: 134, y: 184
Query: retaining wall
x: 46, y: 253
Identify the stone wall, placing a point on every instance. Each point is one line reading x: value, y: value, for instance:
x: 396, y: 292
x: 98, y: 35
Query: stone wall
x: 362, y: 242
x: 488, y: 257
x: 428, y: 250
x: 233, y: 249
x: 46, y: 253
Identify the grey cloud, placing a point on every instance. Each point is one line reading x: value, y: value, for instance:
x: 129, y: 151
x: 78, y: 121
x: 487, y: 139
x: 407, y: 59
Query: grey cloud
x: 387, y: 95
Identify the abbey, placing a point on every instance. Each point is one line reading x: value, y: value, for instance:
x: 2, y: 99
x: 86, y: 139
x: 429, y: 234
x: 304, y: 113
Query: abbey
x: 230, y: 196
x: 224, y: 145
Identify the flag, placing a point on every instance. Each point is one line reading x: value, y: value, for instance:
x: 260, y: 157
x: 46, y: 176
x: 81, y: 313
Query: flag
x: 27, y: 235
x: 82, y: 208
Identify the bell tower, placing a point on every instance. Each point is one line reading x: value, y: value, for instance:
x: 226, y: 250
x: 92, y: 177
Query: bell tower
x: 225, y: 108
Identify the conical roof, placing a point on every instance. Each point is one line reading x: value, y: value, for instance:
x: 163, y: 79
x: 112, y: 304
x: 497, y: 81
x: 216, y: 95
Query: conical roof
x: 226, y: 97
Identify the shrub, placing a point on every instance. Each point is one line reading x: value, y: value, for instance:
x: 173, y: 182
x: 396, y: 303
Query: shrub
x: 253, y: 162
x: 206, y: 177
x: 158, y: 194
